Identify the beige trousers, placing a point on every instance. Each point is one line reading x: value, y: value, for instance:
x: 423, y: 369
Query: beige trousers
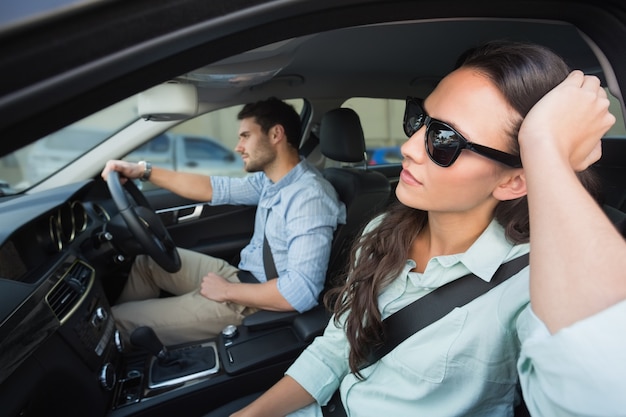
x: 187, y: 315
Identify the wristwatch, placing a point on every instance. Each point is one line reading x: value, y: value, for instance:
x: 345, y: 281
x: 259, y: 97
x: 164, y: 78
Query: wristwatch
x: 147, y: 170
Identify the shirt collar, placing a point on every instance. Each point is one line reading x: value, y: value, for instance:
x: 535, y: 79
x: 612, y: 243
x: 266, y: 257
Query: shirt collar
x: 499, y: 248
x: 271, y: 190
x: 483, y: 258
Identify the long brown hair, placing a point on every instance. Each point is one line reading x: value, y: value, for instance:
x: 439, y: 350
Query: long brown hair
x: 523, y: 73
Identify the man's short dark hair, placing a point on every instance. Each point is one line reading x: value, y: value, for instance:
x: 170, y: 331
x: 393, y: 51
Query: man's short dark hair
x: 271, y: 112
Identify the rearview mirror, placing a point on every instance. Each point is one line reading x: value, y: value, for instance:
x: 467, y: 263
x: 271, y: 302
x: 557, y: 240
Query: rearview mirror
x: 169, y: 101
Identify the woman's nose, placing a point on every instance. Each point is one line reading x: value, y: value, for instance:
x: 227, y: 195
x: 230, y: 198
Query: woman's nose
x: 414, y: 148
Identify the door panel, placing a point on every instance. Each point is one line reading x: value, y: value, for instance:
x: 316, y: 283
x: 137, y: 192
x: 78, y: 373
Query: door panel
x: 220, y: 231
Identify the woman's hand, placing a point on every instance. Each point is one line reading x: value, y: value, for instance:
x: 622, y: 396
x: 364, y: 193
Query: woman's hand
x: 568, y: 123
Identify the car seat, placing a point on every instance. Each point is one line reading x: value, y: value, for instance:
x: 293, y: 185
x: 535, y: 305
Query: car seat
x: 364, y: 192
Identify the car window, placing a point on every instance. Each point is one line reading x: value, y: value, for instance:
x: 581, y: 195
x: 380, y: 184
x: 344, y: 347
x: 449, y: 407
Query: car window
x: 619, y: 128
x: 37, y: 161
x: 14, y: 12
x: 202, y: 148
x: 158, y: 145
x: 203, y: 145
x: 382, y: 127
x: 220, y: 125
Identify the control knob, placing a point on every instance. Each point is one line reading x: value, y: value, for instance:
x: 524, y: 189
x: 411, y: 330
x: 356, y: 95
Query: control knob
x: 107, y: 376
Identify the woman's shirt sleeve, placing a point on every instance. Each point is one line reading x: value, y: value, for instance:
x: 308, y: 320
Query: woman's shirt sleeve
x: 578, y: 371
x: 323, y: 364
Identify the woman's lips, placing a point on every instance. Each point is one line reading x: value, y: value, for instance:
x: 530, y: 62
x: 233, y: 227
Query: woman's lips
x: 406, y: 177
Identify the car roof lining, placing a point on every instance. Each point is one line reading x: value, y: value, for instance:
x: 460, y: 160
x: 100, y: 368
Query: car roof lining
x: 90, y: 87
x: 359, y: 44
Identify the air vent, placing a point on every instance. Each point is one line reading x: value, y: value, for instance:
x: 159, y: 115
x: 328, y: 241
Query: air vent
x: 70, y: 290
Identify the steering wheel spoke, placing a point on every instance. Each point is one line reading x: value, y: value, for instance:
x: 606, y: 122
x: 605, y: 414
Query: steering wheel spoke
x: 144, y: 223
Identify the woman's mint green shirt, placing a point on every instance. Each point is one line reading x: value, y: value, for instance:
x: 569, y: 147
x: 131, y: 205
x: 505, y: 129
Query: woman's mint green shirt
x: 578, y: 371
x: 463, y: 364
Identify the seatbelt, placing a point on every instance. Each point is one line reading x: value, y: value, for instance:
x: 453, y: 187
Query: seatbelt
x: 268, y: 263
x: 433, y: 306
x: 268, y: 260
x: 311, y: 143
x: 428, y: 309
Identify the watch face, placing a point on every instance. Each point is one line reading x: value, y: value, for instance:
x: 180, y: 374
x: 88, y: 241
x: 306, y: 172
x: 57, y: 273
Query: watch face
x: 147, y: 170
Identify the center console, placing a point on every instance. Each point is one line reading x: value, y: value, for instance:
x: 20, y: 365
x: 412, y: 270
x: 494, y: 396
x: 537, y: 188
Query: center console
x: 206, y: 374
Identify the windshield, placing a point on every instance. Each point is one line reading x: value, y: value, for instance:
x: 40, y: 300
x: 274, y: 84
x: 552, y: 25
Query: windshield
x: 35, y: 162
x: 14, y: 12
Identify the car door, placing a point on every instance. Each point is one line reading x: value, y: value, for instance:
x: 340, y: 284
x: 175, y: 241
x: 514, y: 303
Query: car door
x: 220, y: 231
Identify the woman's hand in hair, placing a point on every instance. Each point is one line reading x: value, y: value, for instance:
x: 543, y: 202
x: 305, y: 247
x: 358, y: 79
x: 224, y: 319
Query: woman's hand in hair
x: 562, y: 134
x: 568, y: 122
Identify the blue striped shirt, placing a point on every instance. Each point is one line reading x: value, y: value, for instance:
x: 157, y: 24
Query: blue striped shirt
x: 302, y: 212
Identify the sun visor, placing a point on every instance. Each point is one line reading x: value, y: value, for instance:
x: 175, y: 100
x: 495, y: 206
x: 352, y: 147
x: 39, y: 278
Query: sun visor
x: 169, y: 101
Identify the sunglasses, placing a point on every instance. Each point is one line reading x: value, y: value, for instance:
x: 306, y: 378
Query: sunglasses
x: 443, y: 143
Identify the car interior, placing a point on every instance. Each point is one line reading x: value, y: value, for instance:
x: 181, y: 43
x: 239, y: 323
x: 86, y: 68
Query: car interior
x: 66, y: 245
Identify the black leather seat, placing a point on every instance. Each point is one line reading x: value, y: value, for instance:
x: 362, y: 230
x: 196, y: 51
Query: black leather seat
x: 364, y: 192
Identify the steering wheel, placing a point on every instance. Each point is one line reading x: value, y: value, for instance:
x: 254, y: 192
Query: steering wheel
x: 144, y: 223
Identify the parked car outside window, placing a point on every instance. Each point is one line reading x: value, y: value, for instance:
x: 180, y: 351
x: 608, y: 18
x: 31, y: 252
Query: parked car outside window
x: 384, y: 156
x: 199, y: 154
x: 178, y: 152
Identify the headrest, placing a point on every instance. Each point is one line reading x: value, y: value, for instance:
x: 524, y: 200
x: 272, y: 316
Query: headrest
x: 341, y: 136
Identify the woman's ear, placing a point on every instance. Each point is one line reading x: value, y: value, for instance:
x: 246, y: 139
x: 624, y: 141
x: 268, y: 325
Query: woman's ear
x: 513, y: 186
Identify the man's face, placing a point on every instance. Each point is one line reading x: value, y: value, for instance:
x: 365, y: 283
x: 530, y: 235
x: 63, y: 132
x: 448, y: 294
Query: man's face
x: 254, y: 146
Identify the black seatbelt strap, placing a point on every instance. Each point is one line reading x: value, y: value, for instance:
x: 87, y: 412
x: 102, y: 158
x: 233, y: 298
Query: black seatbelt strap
x: 268, y: 263
x: 268, y: 260
x: 426, y: 310
x: 311, y: 143
x: 433, y: 306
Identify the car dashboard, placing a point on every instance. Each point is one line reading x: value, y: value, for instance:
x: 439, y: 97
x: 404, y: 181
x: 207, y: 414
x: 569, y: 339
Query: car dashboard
x: 63, y: 259
x: 53, y: 247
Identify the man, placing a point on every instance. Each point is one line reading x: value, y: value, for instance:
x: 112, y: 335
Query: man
x: 298, y: 211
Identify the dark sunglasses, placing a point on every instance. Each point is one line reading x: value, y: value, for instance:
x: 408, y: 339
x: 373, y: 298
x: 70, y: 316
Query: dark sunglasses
x: 443, y: 143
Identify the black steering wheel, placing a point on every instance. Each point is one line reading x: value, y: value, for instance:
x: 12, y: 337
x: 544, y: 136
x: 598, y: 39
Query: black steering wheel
x: 144, y: 223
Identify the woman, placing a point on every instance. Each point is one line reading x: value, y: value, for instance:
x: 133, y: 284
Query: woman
x: 462, y: 208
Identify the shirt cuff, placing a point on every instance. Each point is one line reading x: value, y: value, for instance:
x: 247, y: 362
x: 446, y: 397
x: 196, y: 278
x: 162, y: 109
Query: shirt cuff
x: 314, y: 376
x: 577, y: 371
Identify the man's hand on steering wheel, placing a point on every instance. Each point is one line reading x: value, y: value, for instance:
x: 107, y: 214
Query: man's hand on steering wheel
x: 140, y: 218
x: 127, y: 170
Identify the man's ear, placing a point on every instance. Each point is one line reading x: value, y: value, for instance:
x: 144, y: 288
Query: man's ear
x: 513, y: 186
x: 276, y: 133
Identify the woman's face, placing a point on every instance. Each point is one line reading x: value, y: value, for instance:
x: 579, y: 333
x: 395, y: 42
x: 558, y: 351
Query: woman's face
x: 468, y: 101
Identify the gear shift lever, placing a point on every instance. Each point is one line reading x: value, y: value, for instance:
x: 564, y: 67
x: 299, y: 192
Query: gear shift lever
x: 146, y: 338
x: 174, y: 365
